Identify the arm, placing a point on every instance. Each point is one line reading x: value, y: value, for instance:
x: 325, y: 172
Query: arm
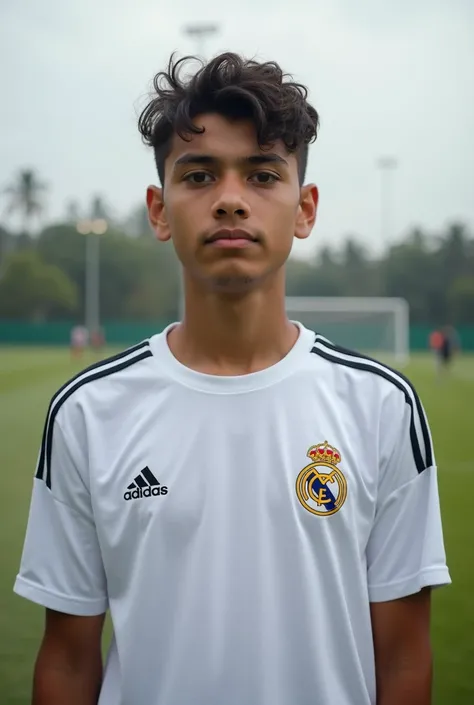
x: 62, y: 570
x: 405, y: 556
x: 69, y: 663
x: 403, y: 661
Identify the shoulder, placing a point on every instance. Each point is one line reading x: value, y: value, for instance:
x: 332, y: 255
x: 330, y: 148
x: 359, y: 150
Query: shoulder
x: 394, y: 394
x: 362, y: 368
x: 121, y: 366
x: 97, y: 383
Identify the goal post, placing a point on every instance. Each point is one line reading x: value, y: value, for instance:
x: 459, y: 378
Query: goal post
x: 376, y: 326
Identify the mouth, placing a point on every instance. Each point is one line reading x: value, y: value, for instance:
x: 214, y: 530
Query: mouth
x: 231, y: 238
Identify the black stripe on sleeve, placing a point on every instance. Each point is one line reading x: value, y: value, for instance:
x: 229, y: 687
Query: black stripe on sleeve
x: 396, y: 374
x: 103, y: 369
x: 359, y: 363
x: 97, y: 365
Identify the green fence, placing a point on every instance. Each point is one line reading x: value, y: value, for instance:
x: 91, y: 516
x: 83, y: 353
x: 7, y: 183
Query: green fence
x: 58, y: 333
x: 124, y: 334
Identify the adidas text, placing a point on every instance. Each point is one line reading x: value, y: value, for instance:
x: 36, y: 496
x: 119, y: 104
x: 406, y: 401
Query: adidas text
x: 139, y: 493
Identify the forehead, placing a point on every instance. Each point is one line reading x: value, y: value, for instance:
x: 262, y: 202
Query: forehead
x: 225, y: 139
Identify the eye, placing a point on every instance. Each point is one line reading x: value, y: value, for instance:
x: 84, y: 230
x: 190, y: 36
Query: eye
x: 265, y: 178
x: 198, y: 177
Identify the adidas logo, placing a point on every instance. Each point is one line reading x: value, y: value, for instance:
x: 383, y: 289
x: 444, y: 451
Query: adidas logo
x: 145, y: 485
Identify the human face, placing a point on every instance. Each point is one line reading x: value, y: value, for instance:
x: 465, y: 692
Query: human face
x: 231, y: 208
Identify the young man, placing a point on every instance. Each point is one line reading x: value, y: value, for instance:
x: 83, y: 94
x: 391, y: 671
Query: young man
x: 79, y: 340
x: 449, y: 346
x: 444, y: 343
x: 256, y: 507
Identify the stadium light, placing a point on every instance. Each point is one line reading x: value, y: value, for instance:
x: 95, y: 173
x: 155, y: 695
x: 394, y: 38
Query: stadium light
x: 199, y: 32
x: 92, y: 228
x: 99, y: 226
x: 83, y: 227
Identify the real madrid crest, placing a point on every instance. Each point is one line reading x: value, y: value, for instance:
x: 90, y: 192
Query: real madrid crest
x: 321, y: 487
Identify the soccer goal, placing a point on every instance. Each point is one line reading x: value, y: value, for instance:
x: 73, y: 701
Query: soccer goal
x: 378, y: 327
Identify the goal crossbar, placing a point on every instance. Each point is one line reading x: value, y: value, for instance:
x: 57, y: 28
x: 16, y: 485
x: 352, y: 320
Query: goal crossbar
x: 343, y: 303
x: 397, y: 308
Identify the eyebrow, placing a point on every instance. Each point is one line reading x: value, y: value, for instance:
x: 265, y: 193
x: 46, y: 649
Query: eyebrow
x: 254, y: 159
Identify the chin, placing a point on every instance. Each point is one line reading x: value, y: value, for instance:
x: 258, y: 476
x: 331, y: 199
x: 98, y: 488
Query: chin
x: 233, y: 284
x: 236, y: 278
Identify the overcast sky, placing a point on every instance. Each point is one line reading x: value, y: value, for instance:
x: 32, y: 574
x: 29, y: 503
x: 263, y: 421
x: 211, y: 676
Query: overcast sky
x: 389, y: 78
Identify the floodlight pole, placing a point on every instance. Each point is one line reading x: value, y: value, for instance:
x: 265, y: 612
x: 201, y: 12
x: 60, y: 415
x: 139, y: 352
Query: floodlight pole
x: 92, y: 312
x: 387, y: 167
x: 92, y: 229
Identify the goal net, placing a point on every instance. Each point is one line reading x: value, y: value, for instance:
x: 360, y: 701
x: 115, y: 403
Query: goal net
x: 378, y: 327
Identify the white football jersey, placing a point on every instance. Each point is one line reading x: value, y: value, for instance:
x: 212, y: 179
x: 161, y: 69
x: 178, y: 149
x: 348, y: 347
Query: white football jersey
x: 237, y: 528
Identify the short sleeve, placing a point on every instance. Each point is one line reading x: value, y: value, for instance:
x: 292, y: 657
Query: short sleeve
x: 61, y: 566
x: 405, y: 551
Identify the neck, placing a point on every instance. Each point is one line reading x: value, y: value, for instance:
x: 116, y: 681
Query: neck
x: 226, y: 335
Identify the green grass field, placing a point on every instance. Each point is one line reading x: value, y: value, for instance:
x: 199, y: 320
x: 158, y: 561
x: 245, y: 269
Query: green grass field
x: 28, y: 378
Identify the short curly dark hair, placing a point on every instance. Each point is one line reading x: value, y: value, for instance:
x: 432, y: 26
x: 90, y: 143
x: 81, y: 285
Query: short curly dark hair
x: 236, y: 88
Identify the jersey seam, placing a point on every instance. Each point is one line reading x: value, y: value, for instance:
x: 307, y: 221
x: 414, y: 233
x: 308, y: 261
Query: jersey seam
x: 408, y: 578
x: 83, y: 483
x: 405, y: 484
x: 188, y: 378
x: 73, y: 509
x: 233, y: 392
x: 60, y: 596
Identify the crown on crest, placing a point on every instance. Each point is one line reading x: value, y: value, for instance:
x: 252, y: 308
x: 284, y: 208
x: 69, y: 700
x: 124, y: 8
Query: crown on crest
x: 324, y: 453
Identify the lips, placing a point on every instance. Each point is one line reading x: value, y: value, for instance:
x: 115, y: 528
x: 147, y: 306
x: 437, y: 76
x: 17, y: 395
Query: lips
x: 231, y: 234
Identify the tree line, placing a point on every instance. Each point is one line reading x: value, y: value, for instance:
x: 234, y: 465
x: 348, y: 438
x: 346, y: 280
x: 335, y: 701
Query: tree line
x: 42, y: 277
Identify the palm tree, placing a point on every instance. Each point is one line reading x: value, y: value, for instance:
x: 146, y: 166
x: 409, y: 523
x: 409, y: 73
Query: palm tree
x: 26, y: 197
x: 73, y: 212
x: 99, y: 208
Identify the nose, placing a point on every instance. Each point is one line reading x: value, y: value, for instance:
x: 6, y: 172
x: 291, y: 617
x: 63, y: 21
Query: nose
x: 230, y: 201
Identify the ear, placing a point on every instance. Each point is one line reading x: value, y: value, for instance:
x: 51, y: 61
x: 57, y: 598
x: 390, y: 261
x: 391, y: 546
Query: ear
x: 307, y: 209
x: 157, y: 213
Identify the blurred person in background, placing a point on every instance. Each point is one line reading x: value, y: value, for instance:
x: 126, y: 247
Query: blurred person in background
x: 79, y: 341
x: 435, y: 343
x: 444, y: 343
x: 98, y: 339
